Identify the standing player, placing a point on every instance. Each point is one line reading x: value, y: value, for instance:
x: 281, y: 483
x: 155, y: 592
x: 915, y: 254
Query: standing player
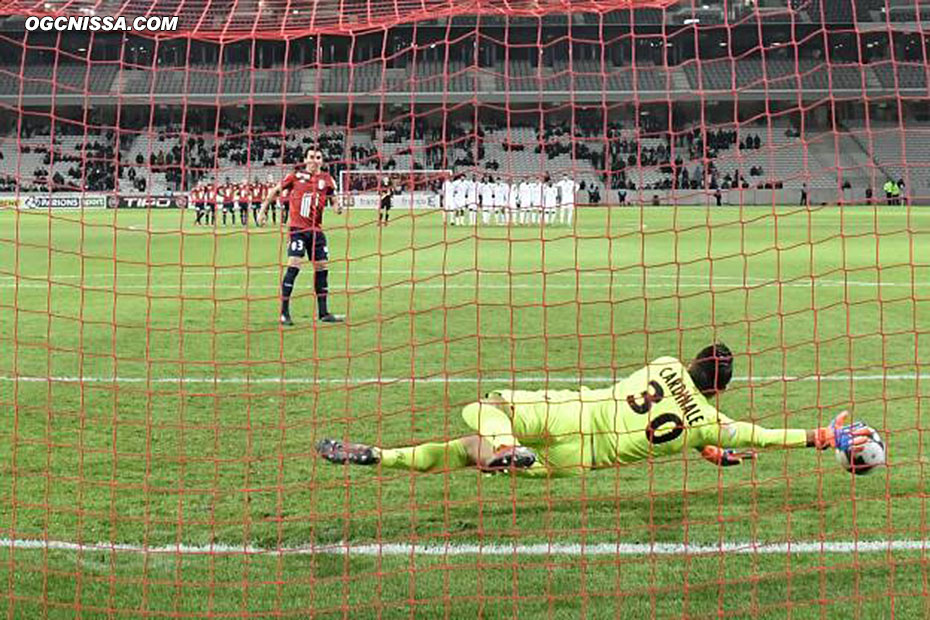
x: 263, y: 190
x: 471, y: 199
x: 211, y: 195
x: 567, y: 190
x: 526, y: 200
x: 198, y: 199
x: 256, y: 196
x: 448, y: 200
x: 486, y: 194
x: 550, y: 193
x: 386, y: 194
x: 228, y: 192
x: 661, y: 410
x: 501, y: 201
x: 536, y: 197
x: 459, y: 200
x: 242, y: 198
x: 310, y: 191
x: 513, y: 203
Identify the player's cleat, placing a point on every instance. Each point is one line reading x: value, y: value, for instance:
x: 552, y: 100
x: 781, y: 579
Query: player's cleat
x: 286, y: 320
x: 340, y: 453
x: 507, y: 457
x: 332, y: 318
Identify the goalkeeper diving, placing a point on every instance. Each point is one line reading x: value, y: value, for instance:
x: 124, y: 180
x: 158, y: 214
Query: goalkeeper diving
x: 660, y: 410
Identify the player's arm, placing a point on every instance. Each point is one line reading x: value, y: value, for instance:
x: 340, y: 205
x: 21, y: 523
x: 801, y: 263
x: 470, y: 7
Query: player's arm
x: 331, y: 199
x: 272, y: 195
x: 728, y: 439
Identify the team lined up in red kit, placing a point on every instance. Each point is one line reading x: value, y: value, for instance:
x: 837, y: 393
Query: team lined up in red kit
x: 207, y: 199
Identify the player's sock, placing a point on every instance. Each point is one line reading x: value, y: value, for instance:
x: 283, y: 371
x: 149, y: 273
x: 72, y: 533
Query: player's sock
x: 427, y: 456
x: 287, y: 287
x: 492, y: 424
x: 321, y: 287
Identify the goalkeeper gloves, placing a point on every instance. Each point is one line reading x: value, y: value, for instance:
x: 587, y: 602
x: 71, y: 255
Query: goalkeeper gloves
x: 840, y: 434
x: 725, y: 457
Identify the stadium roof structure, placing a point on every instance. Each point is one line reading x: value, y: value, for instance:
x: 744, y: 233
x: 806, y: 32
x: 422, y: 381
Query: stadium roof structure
x: 271, y: 17
x: 225, y: 19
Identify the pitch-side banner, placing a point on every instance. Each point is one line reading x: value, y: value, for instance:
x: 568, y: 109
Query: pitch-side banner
x: 54, y: 201
x: 405, y: 200
x: 151, y: 202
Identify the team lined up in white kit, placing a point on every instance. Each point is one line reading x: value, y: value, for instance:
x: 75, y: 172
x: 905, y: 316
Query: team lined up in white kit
x: 526, y: 202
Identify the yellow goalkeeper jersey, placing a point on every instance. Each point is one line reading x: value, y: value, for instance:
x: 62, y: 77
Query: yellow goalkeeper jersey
x: 657, y: 411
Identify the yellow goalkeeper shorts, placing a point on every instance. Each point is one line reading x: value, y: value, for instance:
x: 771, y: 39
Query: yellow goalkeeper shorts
x: 554, y: 424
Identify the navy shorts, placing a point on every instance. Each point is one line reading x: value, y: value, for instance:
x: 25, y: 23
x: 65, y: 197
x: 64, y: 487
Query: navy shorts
x: 309, y: 243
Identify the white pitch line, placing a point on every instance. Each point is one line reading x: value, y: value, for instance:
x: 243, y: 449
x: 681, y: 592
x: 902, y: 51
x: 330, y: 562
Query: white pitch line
x: 462, y: 549
x: 404, y: 284
x: 523, y: 380
x: 580, y: 272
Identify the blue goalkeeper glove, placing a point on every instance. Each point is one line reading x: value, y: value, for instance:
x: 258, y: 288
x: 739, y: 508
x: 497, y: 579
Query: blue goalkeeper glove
x: 726, y: 457
x: 841, y: 435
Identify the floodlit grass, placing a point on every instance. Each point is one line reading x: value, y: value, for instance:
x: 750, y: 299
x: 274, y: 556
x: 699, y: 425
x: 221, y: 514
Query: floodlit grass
x: 158, y: 403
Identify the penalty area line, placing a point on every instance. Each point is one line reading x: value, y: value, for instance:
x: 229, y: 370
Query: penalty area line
x: 465, y: 549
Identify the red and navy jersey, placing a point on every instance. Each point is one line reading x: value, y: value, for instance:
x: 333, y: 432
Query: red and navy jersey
x: 307, y: 197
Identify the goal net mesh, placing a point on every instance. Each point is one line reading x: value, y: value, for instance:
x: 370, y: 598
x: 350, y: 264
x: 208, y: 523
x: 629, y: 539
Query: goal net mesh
x: 753, y: 173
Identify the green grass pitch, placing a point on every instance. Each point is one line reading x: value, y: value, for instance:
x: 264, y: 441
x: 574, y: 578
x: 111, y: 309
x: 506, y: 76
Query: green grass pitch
x: 180, y: 414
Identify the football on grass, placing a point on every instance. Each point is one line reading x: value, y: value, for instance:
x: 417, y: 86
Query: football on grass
x: 870, y: 458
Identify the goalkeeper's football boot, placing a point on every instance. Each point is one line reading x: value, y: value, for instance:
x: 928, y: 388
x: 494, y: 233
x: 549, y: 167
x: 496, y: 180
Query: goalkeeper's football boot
x: 332, y: 318
x: 286, y: 320
x: 340, y: 453
x: 510, y: 457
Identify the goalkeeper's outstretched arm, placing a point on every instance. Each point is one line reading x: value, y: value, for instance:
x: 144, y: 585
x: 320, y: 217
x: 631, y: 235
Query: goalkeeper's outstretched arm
x: 734, y: 437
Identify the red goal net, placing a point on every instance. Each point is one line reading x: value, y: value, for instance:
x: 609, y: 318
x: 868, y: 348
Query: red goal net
x: 521, y: 202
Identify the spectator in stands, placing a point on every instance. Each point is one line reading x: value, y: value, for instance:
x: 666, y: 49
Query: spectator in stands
x: 869, y: 195
x: 718, y: 196
x: 901, y: 196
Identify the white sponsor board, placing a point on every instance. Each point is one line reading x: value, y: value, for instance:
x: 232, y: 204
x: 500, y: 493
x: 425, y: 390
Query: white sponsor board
x: 403, y: 200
